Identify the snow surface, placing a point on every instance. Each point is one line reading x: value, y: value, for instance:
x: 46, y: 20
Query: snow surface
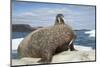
x: 91, y: 33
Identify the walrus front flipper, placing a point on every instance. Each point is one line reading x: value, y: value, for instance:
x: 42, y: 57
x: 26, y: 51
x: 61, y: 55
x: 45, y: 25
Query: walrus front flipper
x: 71, y: 47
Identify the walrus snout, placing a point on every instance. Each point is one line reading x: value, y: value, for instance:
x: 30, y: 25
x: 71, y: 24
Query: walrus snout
x: 59, y: 19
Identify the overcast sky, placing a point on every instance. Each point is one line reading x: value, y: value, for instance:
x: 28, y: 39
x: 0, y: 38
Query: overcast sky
x: 43, y: 14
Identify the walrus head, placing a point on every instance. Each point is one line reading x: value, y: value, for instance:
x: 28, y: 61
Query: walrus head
x: 59, y: 19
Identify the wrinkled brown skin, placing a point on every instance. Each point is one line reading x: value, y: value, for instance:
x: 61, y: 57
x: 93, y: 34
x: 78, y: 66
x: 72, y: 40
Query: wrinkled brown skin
x: 45, y: 42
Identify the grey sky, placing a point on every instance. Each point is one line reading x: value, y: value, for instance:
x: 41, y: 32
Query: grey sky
x: 42, y: 14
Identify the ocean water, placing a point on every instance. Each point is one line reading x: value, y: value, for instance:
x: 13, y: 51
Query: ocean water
x: 83, y: 39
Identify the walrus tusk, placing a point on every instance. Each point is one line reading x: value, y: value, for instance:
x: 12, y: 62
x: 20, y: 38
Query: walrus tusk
x: 71, y: 42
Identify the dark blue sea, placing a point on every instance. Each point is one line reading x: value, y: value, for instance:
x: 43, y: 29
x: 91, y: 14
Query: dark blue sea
x: 82, y: 39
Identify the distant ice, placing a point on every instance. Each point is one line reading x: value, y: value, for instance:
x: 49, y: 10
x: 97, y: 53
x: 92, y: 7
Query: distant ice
x: 91, y: 33
x: 16, y: 42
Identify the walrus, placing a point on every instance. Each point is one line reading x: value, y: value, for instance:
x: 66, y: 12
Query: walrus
x: 45, y: 42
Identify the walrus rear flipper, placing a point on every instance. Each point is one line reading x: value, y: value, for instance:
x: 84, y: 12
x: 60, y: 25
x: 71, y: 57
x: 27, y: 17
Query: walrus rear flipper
x: 46, y: 57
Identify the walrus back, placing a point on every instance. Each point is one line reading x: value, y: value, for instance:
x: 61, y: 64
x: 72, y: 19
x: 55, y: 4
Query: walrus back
x: 41, y: 39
